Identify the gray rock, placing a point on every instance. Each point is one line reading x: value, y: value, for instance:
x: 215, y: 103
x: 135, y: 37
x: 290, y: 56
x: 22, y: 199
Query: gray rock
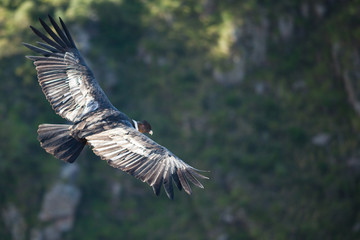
x: 69, y: 172
x: 286, y: 27
x: 320, y: 9
x: 60, y: 203
x: 51, y: 233
x: 58, y: 208
x: 321, y: 139
x: 14, y: 222
x: 259, y: 88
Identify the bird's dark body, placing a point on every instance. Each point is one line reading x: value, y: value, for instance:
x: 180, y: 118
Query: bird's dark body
x: 96, y: 122
x: 74, y: 94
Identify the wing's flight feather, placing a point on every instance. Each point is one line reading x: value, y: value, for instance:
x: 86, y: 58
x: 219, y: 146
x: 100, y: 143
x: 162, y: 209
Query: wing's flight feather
x: 52, y: 34
x: 68, y: 35
x: 184, y: 182
x: 59, y: 32
x: 47, y: 46
x: 66, y: 80
x: 143, y: 158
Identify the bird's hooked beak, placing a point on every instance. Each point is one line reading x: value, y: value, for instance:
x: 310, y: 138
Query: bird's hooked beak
x: 151, y: 132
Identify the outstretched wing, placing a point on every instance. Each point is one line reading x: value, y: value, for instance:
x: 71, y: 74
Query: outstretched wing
x: 65, y: 79
x: 131, y: 151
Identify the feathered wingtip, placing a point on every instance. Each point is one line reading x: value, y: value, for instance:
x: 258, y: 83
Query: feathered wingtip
x: 181, y: 179
x: 60, y: 41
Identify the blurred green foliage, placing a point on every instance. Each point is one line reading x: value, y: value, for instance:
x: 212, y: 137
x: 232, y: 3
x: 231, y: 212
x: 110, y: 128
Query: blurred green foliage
x: 156, y: 61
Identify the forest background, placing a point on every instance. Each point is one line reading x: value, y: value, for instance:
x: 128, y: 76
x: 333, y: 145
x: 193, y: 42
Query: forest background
x: 263, y: 94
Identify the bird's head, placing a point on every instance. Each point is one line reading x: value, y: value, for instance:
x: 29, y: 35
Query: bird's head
x: 143, y: 126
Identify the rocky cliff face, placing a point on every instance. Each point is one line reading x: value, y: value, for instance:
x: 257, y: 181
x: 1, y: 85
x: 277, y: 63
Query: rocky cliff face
x: 59, y: 206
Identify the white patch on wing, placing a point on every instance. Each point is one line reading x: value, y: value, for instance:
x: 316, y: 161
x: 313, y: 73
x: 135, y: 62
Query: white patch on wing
x: 136, y: 125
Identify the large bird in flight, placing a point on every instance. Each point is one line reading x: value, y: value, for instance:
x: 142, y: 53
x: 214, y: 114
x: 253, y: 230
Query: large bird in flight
x: 73, y: 92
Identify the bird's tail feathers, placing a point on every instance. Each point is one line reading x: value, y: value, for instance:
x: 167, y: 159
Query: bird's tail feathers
x: 56, y: 140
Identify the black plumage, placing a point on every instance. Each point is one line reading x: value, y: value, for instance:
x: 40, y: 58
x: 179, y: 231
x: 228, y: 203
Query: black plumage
x: 74, y: 94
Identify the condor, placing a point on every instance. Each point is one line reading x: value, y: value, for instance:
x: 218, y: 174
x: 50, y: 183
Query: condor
x: 74, y: 94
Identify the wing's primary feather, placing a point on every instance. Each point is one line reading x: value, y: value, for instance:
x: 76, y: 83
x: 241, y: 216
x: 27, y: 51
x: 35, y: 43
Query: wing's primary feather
x: 125, y: 148
x: 66, y: 80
